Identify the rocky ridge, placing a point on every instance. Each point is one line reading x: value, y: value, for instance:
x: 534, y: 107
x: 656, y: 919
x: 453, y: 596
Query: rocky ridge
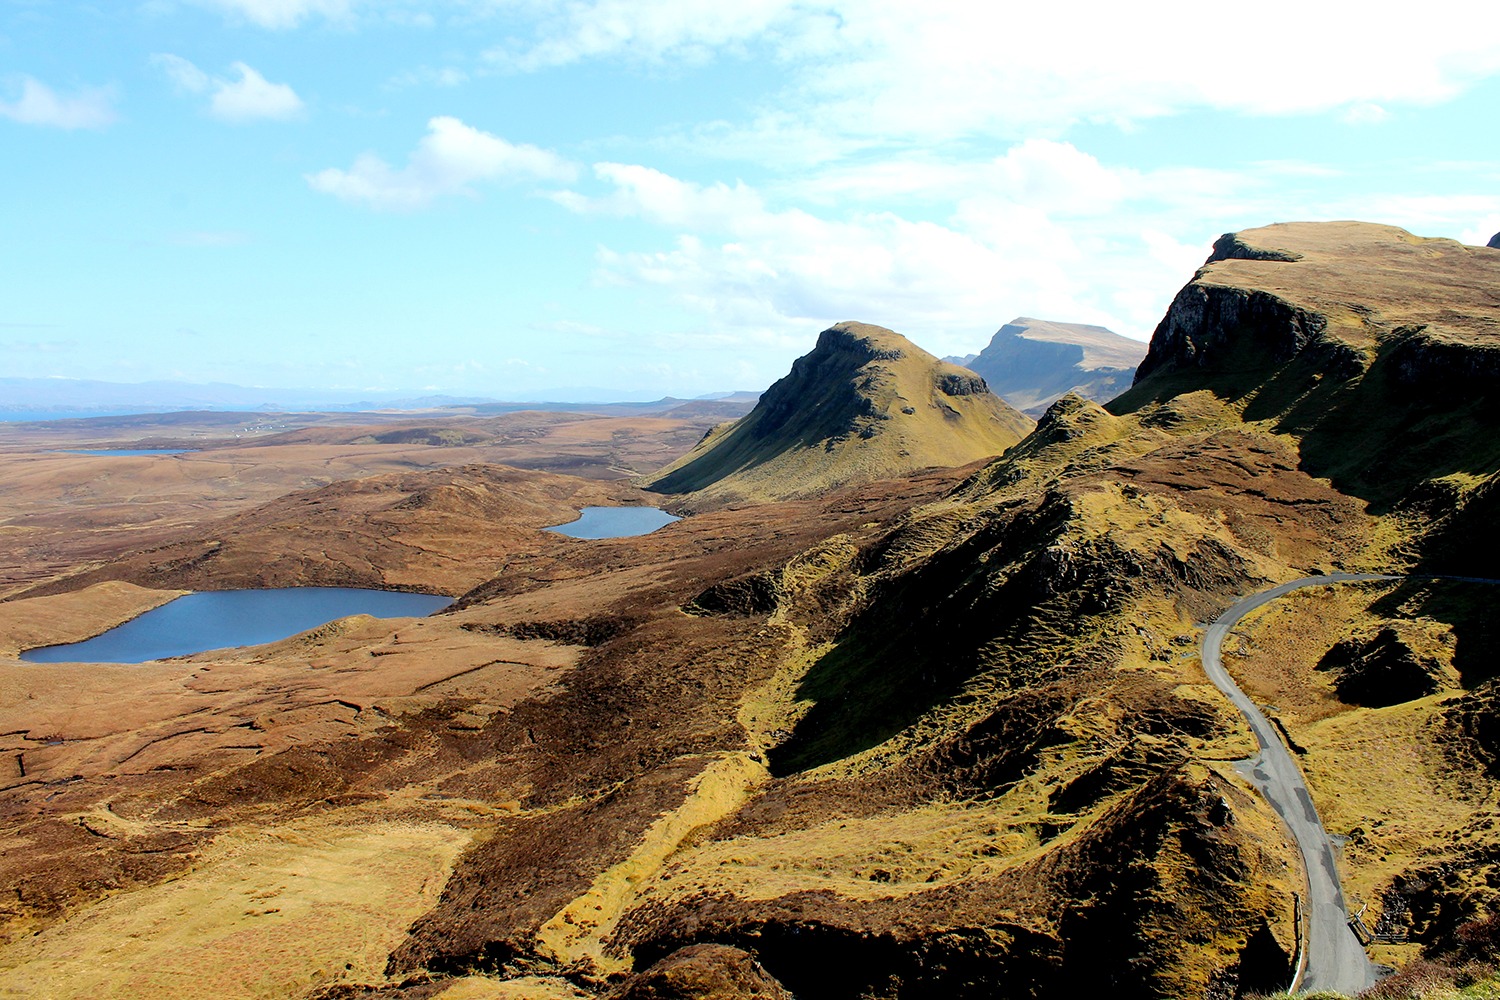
x: 864, y: 404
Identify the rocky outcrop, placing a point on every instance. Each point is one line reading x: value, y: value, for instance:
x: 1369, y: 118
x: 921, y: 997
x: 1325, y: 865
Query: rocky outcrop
x: 1031, y: 362
x: 1217, y: 327
x: 1387, y: 666
x: 865, y: 403
x: 704, y: 972
x: 1335, y: 294
x: 1377, y: 349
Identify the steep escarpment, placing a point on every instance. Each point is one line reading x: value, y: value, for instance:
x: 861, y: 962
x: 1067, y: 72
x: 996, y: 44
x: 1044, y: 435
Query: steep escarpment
x: 1378, y: 350
x: 864, y: 404
x: 1030, y: 363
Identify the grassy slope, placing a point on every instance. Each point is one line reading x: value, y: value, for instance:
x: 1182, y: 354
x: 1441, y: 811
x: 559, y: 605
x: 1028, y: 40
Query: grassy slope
x: 865, y: 404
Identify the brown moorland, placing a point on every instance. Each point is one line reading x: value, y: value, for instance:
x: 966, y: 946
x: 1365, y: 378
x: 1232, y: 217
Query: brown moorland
x: 64, y: 512
x: 941, y: 734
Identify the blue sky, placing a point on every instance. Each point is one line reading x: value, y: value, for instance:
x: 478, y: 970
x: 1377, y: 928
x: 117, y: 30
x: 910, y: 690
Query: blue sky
x: 503, y: 197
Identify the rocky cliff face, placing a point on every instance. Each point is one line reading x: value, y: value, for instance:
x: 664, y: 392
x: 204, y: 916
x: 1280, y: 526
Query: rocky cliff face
x: 1378, y: 349
x: 1031, y: 363
x: 863, y: 404
x: 1334, y: 294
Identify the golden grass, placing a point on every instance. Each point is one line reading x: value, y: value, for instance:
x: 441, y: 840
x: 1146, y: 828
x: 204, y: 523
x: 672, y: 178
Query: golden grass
x: 271, y: 913
x: 524, y: 988
x: 578, y: 932
x: 1378, y: 776
x: 877, y: 857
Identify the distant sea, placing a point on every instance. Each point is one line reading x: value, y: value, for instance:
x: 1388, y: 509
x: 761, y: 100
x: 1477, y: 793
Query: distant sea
x: 25, y: 416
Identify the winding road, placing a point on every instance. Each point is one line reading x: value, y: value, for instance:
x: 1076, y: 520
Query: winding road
x: 1335, y: 959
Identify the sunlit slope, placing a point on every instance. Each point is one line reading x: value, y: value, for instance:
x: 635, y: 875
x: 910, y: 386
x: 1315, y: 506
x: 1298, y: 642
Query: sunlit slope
x: 865, y: 404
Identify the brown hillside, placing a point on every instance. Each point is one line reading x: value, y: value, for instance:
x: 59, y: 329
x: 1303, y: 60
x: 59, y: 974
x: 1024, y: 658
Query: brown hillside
x: 1379, y: 351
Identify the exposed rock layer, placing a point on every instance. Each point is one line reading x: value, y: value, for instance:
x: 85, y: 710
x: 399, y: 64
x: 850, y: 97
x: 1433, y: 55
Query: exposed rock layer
x: 1030, y: 363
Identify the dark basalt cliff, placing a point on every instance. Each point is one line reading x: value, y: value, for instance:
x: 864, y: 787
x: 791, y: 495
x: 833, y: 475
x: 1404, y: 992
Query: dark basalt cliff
x: 1377, y: 349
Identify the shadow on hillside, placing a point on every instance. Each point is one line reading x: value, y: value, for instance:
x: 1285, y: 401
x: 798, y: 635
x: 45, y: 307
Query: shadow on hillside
x: 1375, y: 436
x: 862, y: 697
x: 1468, y: 608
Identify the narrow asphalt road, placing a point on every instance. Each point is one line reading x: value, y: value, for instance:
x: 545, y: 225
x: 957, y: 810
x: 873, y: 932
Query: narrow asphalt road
x: 1335, y: 959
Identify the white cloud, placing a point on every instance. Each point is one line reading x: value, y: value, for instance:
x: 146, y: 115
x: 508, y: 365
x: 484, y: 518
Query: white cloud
x: 250, y: 97
x: 281, y: 13
x: 184, y: 74
x: 1364, y: 113
x: 884, y: 70
x: 448, y: 159
x: 39, y: 104
x: 253, y: 96
x: 1044, y: 230
x: 650, y: 30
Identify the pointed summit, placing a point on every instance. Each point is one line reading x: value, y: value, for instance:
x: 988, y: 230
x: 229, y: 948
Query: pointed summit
x: 865, y: 404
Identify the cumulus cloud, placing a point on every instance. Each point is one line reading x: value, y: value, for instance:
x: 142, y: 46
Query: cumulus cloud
x: 253, y: 96
x: 248, y: 98
x: 449, y: 159
x: 39, y: 104
x: 1024, y: 235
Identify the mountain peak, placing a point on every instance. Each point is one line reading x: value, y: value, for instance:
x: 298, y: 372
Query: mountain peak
x: 1331, y: 292
x: 865, y: 403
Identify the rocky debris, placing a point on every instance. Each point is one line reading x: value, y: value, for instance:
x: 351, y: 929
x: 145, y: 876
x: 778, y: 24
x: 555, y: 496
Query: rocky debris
x: 704, y: 972
x: 1387, y: 666
x: 1031, y: 362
